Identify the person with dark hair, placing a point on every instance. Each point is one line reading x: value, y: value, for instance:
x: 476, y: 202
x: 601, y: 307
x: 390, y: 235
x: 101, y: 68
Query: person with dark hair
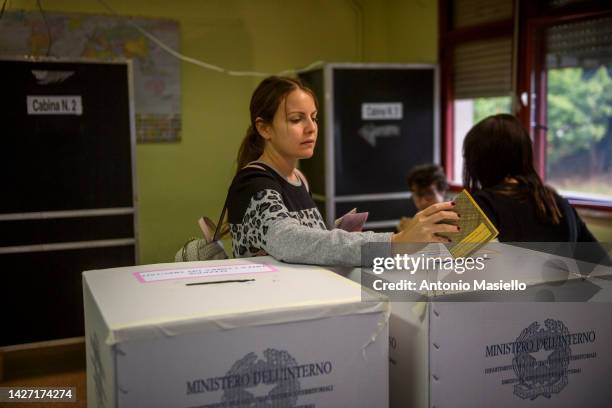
x: 428, y: 185
x: 270, y: 209
x: 499, y: 172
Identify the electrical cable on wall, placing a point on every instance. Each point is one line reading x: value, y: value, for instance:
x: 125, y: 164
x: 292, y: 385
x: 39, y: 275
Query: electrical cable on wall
x: 3, y: 8
x: 203, y: 64
x: 50, y: 39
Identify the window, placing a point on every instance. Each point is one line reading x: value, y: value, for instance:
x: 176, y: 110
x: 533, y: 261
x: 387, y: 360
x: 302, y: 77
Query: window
x: 578, y: 71
x: 557, y: 56
x: 468, y: 112
x: 482, y: 78
x: 477, y: 46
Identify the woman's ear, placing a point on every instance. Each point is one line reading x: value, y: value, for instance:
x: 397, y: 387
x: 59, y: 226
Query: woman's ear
x: 262, y: 128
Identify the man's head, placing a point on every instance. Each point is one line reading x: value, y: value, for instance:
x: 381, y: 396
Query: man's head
x: 428, y: 185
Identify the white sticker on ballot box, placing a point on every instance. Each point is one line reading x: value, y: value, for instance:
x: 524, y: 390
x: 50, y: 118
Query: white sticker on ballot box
x: 54, y: 105
x: 202, y: 272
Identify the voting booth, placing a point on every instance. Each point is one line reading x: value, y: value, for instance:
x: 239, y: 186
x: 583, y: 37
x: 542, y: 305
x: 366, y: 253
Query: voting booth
x: 69, y: 194
x: 547, y: 346
x: 233, y: 333
x: 376, y: 122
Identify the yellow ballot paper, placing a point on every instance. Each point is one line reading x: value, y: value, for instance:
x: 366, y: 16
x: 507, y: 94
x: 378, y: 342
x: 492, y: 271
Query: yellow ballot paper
x: 476, y: 228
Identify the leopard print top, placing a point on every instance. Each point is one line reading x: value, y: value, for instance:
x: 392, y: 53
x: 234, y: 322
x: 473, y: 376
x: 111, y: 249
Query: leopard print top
x: 268, y: 197
x: 269, y: 215
x: 249, y: 236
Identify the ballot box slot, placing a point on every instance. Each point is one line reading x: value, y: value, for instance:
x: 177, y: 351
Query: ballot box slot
x: 219, y: 282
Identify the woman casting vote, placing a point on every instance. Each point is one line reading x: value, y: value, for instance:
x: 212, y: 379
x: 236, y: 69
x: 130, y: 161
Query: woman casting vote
x: 270, y: 210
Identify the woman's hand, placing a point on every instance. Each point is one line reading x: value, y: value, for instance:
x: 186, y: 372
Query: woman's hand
x: 404, y: 223
x: 424, y: 226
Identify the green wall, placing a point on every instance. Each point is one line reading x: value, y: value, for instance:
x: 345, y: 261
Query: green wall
x: 402, y: 31
x: 177, y: 183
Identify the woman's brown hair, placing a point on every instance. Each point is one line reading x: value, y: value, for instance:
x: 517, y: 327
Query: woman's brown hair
x: 498, y: 147
x: 265, y: 101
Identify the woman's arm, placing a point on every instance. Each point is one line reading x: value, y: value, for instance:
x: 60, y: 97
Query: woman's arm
x: 270, y: 226
x: 267, y: 224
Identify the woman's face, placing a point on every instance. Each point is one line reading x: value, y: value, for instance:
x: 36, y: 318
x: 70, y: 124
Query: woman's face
x: 293, y: 132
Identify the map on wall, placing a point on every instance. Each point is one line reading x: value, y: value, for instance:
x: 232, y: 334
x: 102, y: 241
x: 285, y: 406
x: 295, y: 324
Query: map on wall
x: 157, y: 97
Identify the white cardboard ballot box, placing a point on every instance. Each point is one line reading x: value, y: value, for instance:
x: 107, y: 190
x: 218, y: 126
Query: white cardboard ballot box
x: 408, y: 349
x: 515, y: 355
x: 550, y: 350
x: 528, y: 353
x: 234, y: 333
